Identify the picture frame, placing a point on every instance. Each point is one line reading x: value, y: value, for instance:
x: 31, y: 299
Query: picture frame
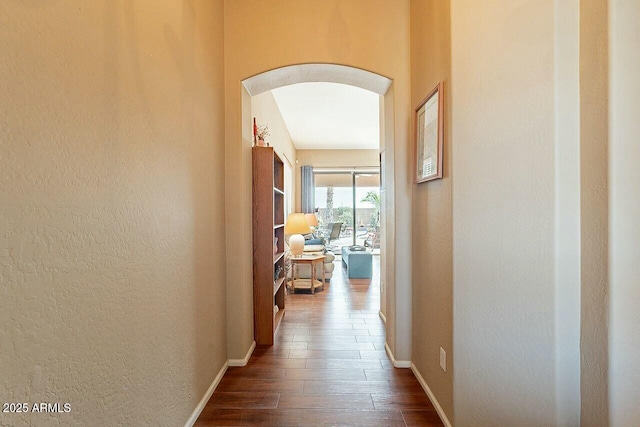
x: 429, y: 136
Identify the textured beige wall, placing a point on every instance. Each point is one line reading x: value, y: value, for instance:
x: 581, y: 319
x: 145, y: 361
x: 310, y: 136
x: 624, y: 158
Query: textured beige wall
x: 432, y: 254
x: 368, y: 34
x: 503, y: 212
x: 624, y: 243
x: 332, y: 158
x: 111, y: 180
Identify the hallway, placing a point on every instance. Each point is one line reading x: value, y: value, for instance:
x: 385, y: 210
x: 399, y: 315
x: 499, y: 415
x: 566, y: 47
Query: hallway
x: 327, y: 367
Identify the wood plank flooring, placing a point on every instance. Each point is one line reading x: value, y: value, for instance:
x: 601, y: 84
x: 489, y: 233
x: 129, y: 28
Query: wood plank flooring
x: 327, y: 367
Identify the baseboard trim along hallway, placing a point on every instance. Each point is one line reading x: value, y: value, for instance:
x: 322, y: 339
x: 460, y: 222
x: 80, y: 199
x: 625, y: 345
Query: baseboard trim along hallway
x: 432, y: 397
x: 396, y: 363
x: 196, y: 412
x: 231, y: 362
x: 243, y: 362
x: 383, y: 317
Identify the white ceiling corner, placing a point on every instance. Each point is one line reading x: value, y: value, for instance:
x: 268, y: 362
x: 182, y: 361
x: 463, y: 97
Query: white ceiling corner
x: 324, y: 115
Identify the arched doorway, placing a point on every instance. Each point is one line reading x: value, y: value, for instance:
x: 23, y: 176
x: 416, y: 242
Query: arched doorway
x: 395, y: 280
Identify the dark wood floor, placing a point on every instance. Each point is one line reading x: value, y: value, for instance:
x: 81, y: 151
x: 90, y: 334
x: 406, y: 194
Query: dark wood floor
x: 328, y: 367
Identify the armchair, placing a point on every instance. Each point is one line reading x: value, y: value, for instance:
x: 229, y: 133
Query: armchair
x: 305, y: 270
x: 313, y: 247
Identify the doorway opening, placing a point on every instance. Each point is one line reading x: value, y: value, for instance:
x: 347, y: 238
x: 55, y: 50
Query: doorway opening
x: 332, y: 131
x: 394, y: 289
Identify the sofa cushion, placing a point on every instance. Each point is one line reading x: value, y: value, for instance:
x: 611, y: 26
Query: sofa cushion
x: 311, y: 242
x: 314, y: 248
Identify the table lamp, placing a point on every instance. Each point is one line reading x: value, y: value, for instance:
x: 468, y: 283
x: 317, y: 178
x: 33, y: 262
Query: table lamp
x: 312, y: 220
x: 296, y: 226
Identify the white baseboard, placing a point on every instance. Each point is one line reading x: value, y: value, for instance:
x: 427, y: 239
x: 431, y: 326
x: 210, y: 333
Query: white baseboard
x: 432, y: 397
x: 383, y: 317
x: 231, y: 362
x: 243, y: 362
x: 196, y: 412
x: 396, y: 363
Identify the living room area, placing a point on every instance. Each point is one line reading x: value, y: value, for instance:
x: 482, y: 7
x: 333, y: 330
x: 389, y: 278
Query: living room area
x: 327, y: 136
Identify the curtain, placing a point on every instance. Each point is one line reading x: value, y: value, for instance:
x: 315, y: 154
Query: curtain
x: 308, y: 190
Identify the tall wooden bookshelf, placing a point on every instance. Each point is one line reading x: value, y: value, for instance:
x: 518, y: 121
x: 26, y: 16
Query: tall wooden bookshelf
x: 268, y: 224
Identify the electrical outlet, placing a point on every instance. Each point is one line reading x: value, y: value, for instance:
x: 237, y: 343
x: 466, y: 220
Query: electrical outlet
x: 443, y: 359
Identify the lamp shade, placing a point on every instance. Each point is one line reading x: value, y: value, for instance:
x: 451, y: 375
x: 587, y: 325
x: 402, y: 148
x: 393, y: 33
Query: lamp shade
x: 296, y: 224
x: 311, y: 219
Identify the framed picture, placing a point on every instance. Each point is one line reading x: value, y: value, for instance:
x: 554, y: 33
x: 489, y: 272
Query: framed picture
x: 430, y: 136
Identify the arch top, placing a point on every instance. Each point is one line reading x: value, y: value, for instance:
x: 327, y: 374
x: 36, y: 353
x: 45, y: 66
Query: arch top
x: 305, y: 73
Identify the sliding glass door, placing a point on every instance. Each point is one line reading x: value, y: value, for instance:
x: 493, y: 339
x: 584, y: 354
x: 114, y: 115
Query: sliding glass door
x: 348, y: 204
x: 367, y: 202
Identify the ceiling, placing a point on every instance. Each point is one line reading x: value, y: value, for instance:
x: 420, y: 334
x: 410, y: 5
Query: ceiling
x: 330, y: 116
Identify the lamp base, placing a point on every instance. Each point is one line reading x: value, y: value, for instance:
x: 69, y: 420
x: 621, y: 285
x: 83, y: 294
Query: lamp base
x: 296, y: 244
